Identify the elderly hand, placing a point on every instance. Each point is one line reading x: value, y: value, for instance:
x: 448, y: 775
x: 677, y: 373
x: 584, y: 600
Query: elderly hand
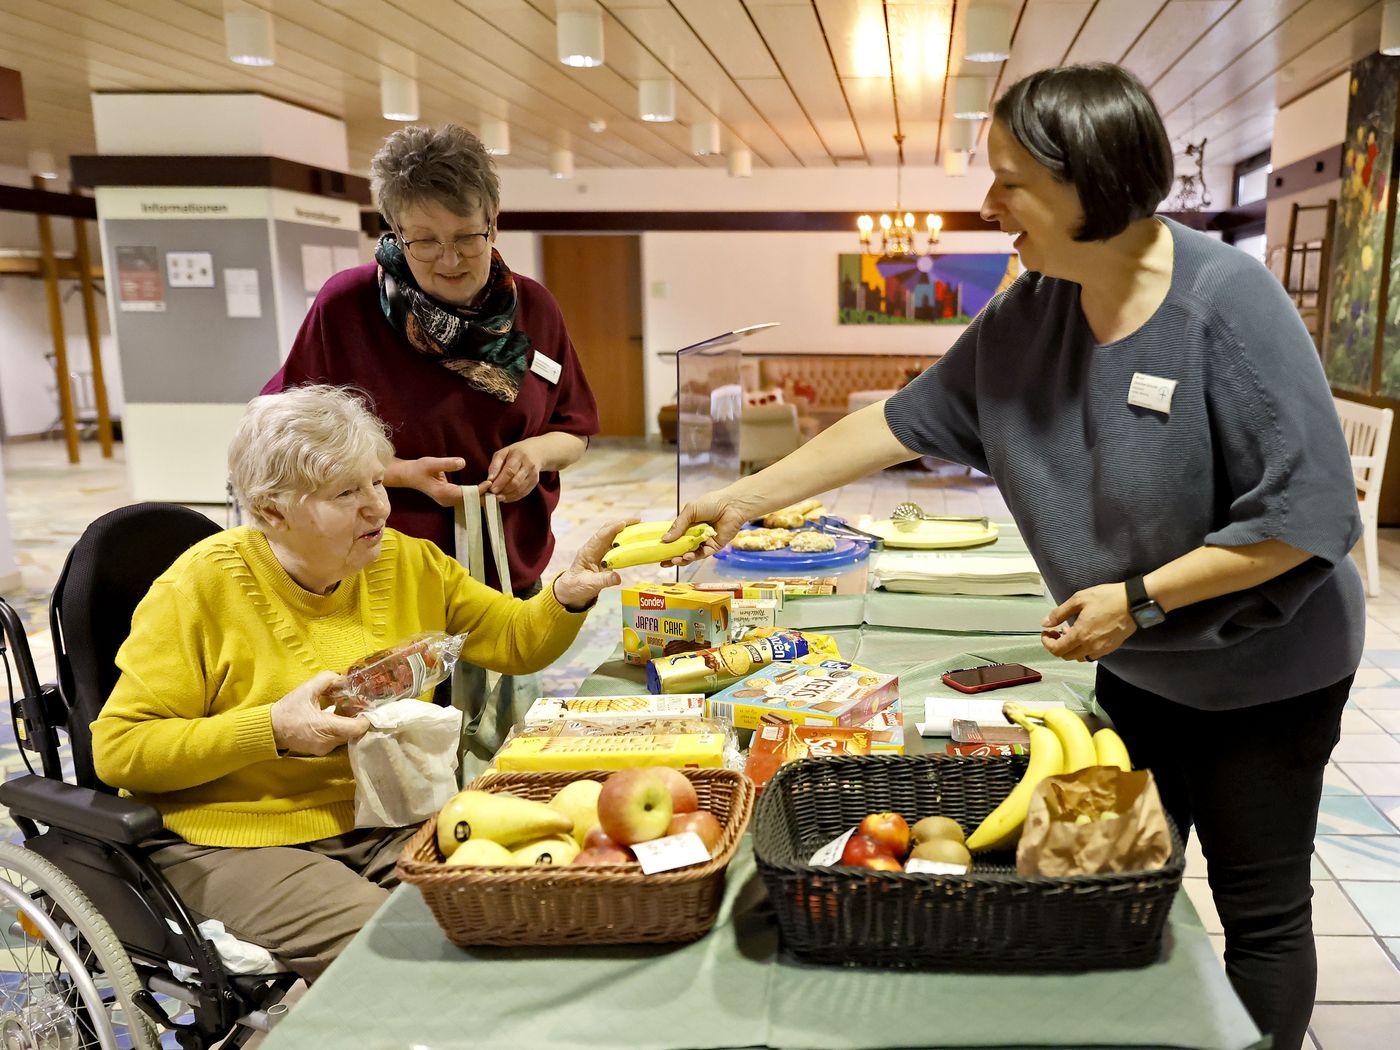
x: 726, y: 513
x: 429, y: 476
x: 514, y: 472
x: 578, y: 586
x: 301, y: 726
x: 1101, y: 623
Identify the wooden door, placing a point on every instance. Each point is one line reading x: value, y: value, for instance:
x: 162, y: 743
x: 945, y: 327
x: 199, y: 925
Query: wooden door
x: 598, y: 283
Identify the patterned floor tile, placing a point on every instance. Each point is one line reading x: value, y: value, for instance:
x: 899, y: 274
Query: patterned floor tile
x: 1359, y: 1027
x: 1379, y: 903
x: 1335, y: 782
x: 1351, y: 815
x: 1356, y: 720
x: 1368, y: 857
x: 1367, y: 747
x: 1355, y: 969
x: 1374, y: 778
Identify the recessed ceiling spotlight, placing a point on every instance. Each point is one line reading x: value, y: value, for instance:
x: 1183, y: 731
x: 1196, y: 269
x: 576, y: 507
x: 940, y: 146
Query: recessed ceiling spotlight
x: 580, y: 38
x: 248, y: 33
x: 597, y: 126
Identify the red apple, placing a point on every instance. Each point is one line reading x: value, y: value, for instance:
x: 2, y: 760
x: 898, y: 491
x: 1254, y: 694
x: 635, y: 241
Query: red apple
x: 597, y: 838
x: 703, y: 823
x: 634, y: 806
x: 683, y: 796
x: 882, y: 862
x: 890, y: 830
x: 860, y: 849
x: 604, y: 855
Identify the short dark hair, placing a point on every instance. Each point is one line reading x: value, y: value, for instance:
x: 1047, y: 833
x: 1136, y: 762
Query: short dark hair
x: 447, y: 166
x: 1096, y: 127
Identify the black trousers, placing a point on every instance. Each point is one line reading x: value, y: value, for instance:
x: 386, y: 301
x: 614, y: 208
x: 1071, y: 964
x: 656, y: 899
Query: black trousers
x: 1250, y: 780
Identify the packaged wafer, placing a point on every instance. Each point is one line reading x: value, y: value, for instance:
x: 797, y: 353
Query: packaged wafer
x: 707, y: 670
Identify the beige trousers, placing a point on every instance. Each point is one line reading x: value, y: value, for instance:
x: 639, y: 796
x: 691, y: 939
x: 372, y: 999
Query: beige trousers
x: 302, y: 903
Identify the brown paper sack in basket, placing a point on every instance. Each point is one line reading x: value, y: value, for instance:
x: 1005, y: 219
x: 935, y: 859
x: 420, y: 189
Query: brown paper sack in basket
x: 1056, y: 843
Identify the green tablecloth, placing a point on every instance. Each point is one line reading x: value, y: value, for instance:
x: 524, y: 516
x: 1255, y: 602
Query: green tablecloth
x: 400, y: 984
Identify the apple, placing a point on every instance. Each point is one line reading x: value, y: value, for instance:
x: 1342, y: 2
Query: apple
x: 703, y: 823
x: 890, y: 830
x: 597, y: 838
x: 634, y: 806
x: 882, y: 862
x: 604, y: 855
x: 683, y: 796
x: 861, y: 849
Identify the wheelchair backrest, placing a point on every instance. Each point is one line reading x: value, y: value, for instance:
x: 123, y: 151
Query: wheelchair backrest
x: 108, y: 572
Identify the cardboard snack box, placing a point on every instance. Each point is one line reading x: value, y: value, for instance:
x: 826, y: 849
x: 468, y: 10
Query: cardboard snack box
x: 616, y: 708
x: 664, y: 619
x: 832, y: 692
x: 704, y: 750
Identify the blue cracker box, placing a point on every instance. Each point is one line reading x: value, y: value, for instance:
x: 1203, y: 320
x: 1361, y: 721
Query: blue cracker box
x: 832, y: 692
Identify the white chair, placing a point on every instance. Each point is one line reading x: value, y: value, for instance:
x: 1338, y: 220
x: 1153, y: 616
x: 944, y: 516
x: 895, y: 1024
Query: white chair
x: 1367, y: 431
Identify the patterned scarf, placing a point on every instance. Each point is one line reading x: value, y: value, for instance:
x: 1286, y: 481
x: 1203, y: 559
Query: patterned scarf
x: 480, y: 343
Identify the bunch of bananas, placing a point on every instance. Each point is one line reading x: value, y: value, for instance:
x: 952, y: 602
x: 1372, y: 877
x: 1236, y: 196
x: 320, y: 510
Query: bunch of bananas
x: 641, y: 544
x: 1060, y: 743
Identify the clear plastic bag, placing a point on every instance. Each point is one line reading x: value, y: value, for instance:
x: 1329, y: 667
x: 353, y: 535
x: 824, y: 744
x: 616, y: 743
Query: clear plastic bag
x: 408, y: 670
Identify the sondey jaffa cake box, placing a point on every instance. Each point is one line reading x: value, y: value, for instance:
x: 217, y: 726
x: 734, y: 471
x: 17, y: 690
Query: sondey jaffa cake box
x: 660, y: 619
x: 832, y: 692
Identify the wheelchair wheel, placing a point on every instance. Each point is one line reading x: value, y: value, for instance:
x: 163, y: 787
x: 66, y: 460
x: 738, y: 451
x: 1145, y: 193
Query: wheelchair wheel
x: 66, y: 982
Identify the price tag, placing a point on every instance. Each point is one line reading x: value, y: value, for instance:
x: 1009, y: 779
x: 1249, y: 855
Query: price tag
x: 545, y: 368
x: 830, y: 854
x: 673, y: 851
x: 919, y: 866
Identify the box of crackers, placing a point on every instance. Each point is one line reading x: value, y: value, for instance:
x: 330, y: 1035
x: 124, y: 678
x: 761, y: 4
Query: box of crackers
x: 776, y: 741
x: 887, y: 730
x: 616, y: 708
x: 832, y: 692
x: 661, y: 619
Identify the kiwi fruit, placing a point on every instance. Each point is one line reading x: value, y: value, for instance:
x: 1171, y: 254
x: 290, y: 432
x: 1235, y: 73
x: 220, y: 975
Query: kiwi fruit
x: 943, y: 851
x: 931, y: 828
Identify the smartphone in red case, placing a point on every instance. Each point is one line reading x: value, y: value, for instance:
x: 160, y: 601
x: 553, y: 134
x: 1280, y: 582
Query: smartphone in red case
x: 990, y: 676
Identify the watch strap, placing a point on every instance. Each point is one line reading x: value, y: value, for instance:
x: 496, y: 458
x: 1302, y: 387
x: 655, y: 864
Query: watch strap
x: 1137, y: 592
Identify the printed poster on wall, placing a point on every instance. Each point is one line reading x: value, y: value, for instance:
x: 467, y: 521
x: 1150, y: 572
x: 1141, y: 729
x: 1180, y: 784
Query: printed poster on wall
x: 920, y: 289
x: 139, y: 285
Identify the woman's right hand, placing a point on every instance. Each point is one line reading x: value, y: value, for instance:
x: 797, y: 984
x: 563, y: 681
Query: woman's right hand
x: 726, y: 512
x: 429, y: 476
x: 302, y: 726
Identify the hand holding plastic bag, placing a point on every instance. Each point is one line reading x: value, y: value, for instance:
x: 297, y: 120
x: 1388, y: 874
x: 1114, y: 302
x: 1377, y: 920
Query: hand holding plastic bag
x: 405, y: 766
x: 408, y: 670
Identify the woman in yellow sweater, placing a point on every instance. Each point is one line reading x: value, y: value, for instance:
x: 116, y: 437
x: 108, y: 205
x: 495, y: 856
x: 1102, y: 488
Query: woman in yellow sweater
x: 217, y: 719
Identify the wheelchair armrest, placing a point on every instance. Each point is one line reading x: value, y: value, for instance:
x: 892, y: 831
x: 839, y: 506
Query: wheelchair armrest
x: 95, y: 814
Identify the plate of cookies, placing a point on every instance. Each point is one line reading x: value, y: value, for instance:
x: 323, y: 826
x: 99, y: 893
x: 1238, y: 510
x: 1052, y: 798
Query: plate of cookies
x: 793, y: 538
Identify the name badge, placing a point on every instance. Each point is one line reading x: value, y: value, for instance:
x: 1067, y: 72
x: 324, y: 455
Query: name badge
x: 545, y: 368
x: 1152, y: 392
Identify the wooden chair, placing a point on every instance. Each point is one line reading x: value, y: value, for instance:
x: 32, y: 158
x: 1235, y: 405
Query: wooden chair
x: 1367, y: 431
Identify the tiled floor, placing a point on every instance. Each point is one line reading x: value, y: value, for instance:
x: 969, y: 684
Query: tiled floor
x: 1356, y: 872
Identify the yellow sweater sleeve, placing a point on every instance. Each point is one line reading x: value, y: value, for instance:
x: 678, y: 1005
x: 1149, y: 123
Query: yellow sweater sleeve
x: 154, y: 733
x: 504, y: 633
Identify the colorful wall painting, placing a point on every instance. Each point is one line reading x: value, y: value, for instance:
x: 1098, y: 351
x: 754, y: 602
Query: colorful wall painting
x: 920, y: 289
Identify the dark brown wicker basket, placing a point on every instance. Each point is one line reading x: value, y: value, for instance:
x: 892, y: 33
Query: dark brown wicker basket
x: 990, y: 919
x: 606, y: 904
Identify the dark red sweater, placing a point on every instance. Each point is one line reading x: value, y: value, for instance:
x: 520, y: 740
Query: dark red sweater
x: 346, y: 340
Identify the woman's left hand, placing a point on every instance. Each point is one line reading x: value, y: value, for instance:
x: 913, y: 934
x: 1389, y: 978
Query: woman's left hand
x: 1101, y: 623
x: 514, y: 472
x: 578, y: 586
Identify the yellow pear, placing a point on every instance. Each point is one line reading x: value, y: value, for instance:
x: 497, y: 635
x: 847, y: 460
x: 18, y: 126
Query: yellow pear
x: 557, y: 849
x: 578, y: 800
x: 505, y: 819
x: 482, y: 851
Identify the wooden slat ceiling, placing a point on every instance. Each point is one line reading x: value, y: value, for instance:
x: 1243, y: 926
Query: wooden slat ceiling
x: 801, y: 83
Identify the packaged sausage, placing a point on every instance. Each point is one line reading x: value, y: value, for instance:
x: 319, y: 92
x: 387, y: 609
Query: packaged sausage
x: 409, y: 669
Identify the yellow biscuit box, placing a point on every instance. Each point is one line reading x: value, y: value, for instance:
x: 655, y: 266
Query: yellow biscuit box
x: 660, y: 619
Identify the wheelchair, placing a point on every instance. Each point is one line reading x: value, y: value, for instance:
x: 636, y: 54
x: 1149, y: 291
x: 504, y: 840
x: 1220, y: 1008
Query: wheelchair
x: 96, y: 926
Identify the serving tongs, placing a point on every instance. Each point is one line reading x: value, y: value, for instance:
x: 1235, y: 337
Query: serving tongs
x: 909, y: 515
x: 839, y: 527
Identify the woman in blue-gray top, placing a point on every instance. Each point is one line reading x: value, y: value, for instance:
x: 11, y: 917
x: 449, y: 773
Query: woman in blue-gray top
x: 1156, y: 417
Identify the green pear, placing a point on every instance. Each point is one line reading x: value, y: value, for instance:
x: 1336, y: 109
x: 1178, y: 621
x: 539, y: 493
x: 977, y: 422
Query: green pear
x: 578, y: 800
x: 505, y: 819
x: 483, y: 852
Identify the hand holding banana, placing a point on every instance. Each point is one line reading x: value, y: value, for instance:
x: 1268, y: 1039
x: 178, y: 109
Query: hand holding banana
x: 1060, y: 743
x: 642, y: 544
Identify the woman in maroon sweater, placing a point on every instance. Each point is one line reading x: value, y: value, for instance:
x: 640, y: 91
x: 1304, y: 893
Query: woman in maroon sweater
x: 469, y: 364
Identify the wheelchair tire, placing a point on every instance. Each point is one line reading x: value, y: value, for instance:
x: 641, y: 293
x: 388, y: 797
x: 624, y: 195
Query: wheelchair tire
x: 32, y: 874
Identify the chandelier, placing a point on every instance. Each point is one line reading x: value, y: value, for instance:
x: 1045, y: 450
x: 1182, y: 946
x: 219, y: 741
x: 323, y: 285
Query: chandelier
x: 898, y: 233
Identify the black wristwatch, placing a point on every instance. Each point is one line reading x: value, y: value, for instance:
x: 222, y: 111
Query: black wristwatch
x: 1145, y: 611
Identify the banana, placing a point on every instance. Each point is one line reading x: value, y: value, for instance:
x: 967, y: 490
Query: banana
x: 652, y: 552
x: 501, y: 818
x: 1073, y: 735
x: 1002, y: 827
x: 1111, y: 751
x: 641, y: 532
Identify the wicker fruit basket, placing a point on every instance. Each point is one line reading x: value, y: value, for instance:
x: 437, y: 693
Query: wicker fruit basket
x: 604, y: 904
x: 990, y: 919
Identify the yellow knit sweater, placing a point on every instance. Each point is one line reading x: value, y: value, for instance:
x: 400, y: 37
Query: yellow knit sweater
x: 225, y: 633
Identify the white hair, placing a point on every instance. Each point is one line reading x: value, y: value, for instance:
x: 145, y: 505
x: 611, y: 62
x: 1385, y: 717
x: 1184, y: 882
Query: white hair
x: 288, y: 445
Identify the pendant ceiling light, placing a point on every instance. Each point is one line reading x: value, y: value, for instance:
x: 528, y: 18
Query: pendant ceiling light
x: 962, y: 135
x: 248, y: 33
x: 495, y: 136
x: 898, y: 233
x: 955, y: 162
x: 41, y: 163
x: 1390, y: 28
x: 704, y: 138
x: 561, y: 163
x: 972, y: 98
x: 580, y: 38
x: 398, y: 95
x: 740, y: 162
x: 988, y: 34
x: 657, y: 100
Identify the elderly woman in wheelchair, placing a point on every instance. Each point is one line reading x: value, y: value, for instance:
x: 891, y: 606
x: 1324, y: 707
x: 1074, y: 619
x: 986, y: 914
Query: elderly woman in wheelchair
x: 218, y: 721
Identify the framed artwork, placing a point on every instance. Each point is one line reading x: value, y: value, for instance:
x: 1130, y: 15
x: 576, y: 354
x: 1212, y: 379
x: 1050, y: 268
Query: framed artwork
x: 920, y: 289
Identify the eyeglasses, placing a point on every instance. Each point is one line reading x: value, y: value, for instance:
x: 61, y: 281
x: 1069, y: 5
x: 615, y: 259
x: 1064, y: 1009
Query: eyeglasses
x: 467, y: 246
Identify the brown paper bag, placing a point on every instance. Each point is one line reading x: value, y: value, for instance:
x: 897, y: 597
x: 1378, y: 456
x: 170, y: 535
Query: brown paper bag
x: 1056, y: 842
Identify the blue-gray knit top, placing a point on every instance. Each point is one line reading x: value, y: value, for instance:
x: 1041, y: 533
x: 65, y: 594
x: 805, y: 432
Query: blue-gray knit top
x: 1248, y: 449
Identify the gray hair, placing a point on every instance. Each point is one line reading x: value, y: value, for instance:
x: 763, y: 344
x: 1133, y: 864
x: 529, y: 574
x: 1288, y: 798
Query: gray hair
x: 288, y: 445
x: 447, y: 166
